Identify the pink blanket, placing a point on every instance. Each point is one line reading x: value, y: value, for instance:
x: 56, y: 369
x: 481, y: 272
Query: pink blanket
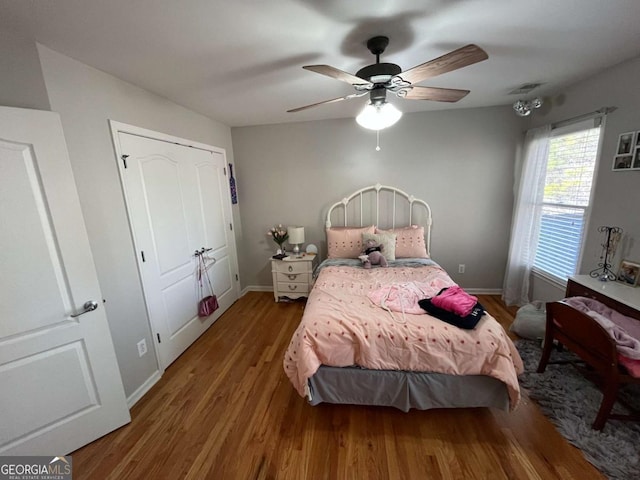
x: 341, y: 327
x: 403, y: 297
x: 624, y: 330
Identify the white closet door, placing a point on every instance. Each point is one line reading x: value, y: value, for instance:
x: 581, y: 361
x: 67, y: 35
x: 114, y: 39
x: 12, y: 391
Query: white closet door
x: 60, y: 386
x: 178, y: 202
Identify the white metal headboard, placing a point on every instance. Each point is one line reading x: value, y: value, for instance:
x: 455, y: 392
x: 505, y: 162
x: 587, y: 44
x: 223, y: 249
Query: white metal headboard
x: 378, y: 205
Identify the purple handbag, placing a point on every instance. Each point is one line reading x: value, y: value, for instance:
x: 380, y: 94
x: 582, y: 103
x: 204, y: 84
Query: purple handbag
x: 208, y: 304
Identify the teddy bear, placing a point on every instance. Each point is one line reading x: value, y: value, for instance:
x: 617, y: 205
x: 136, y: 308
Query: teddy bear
x: 372, y: 254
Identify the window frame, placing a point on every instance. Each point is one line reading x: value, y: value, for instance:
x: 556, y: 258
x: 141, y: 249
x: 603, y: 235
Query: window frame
x: 588, y: 124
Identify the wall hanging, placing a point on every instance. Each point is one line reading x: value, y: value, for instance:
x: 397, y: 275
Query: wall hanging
x: 232, y: 186
x: 627, y: 155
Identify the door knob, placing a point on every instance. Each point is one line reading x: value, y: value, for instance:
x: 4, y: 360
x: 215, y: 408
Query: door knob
x: 89, y: 306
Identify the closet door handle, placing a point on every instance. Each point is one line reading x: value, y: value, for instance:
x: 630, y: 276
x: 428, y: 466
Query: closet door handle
x: 89, y: 306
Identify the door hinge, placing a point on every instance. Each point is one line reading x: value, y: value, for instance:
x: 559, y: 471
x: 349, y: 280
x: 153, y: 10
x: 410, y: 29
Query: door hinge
x: 237, y: 277
x: 124, y: 160
x: 224, y: 169
x: 230, y: 226
x: 142, y: 255
x: 158, y: 335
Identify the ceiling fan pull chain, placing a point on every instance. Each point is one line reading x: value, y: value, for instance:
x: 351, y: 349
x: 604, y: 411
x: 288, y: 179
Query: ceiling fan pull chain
x: 377, y: 140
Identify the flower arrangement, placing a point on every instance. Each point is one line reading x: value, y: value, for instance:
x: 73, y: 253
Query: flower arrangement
x: 279, y: 235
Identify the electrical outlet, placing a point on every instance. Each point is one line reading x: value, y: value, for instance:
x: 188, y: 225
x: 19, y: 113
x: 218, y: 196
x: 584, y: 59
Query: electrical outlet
x: 461, y: 268
x: 142, y: 347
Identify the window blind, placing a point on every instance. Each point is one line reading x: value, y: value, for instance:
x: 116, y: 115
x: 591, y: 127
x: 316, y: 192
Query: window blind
x: 567, y: 192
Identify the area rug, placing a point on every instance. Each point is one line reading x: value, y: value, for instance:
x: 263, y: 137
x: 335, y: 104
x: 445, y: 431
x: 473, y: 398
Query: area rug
x: 571, y: 402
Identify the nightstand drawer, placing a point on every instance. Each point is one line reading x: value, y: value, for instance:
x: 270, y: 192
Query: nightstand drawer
x: 289, y: 287
x: 292, y: 267
x: 292, y: 277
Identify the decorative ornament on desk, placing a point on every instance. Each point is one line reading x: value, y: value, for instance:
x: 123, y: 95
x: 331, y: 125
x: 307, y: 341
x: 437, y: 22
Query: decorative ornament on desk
x: 612, y: 238
x: 279, y: 235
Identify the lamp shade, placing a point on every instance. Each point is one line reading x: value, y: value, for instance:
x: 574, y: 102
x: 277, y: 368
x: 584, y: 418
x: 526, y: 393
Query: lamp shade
x: 296, y: 235
x: 377, y: 117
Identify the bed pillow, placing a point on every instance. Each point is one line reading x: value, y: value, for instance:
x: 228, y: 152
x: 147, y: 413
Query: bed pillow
x: 346, y: 242
x: 409, y: 241
x: 386, y: 239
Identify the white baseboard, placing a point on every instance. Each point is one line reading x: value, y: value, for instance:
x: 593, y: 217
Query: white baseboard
x: 144, y: 388
x: 256, y: 288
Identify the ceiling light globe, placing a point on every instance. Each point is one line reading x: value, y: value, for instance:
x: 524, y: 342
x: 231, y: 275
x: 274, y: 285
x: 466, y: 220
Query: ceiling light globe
x: 522, y: 108
x: 377, y: 117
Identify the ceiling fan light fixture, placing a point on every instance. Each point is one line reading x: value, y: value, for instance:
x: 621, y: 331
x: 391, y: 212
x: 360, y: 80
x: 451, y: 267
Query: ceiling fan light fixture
x: 378, y: 117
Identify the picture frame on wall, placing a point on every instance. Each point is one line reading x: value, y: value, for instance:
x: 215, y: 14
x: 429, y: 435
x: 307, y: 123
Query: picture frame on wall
x: 626, y: 141
x: 629, y: 273
x: 627, y: 155
x: 622, y: 162
x: 636, y: 159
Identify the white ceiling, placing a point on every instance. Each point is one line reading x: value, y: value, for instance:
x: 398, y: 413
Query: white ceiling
x: 239, y: 61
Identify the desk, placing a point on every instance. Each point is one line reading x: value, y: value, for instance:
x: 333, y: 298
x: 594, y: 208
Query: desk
x: 622, y: 298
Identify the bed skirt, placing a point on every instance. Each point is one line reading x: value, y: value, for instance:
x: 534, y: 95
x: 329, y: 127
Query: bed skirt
x: 405, y: 390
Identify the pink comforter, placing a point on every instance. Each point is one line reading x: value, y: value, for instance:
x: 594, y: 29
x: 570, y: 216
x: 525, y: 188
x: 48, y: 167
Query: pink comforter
x: 341, y: 327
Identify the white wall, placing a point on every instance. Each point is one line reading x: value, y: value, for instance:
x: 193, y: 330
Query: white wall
x: 616, y: 194
x: 21, y: 80
x: 86, y: 99
x: 459, y: 161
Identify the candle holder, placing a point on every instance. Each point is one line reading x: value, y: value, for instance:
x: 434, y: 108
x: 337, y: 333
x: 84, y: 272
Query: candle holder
x: 603, y: 272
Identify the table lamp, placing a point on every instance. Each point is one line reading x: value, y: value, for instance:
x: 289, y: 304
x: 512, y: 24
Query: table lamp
x: 296, y: 238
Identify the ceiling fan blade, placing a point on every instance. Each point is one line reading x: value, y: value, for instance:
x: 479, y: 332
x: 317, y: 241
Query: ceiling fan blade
x: 436, y: 94
x: 333, y: 72
x: 334, y: 100
x: 459, y: 58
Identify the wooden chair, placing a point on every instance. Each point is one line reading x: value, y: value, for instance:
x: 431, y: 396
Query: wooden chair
x: 582, y: 335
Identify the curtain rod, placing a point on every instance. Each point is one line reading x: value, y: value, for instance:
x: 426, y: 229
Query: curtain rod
x: 585, y: 116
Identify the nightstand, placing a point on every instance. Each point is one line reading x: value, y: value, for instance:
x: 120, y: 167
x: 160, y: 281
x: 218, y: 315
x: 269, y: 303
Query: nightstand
x: 292, y: 276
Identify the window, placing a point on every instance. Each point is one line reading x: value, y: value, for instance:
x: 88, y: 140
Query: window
x: 570, y: 166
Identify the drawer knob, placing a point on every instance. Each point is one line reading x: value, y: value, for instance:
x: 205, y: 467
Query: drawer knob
x: 290, y: 268
x: 293, y: 287
x: 292, y: 277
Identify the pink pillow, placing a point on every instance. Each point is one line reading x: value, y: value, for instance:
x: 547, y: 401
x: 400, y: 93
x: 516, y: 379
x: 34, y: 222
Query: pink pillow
x: 346, y: 242
x: 409, y: 242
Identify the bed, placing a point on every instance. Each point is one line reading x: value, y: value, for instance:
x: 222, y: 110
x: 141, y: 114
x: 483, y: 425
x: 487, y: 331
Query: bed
x: 354, y: 346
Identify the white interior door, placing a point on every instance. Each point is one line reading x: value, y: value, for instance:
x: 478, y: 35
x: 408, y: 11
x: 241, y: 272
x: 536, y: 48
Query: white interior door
x: 60, y: 383
x: 178, y: 202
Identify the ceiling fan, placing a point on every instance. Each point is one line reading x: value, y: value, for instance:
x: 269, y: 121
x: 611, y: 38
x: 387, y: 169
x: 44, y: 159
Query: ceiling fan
x: 379, y: 78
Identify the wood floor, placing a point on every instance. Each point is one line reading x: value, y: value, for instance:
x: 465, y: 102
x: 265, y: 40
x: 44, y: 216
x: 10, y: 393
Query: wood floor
x: 225, y: 410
